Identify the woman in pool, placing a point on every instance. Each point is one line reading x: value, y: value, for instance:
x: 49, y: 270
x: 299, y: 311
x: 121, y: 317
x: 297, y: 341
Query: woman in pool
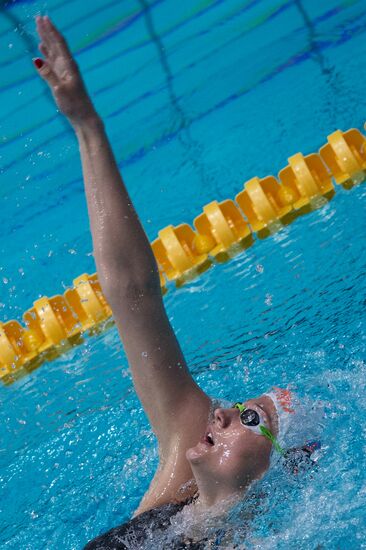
x: 208, y: 454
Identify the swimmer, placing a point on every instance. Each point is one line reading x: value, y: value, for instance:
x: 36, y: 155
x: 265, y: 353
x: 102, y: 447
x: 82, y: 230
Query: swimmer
x: 207, y: 455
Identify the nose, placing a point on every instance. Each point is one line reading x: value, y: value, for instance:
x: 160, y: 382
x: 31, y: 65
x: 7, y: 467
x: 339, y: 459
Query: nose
x: 223, y: 417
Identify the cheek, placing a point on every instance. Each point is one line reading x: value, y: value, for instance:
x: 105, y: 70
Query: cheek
x: 259, y: 454
x: 251, y: 450
x: 232, y: 448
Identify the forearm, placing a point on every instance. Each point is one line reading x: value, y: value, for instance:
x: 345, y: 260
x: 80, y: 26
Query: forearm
x: 121, y: 249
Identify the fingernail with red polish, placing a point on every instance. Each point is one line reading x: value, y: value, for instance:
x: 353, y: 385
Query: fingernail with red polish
x: 38, y: 62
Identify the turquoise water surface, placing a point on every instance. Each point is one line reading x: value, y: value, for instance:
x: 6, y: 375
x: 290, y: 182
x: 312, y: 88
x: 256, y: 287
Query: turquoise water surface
x: 198, y: 97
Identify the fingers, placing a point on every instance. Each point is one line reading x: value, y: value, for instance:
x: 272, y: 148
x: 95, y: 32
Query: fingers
x: 52, y: 39
x: 42, y: 31
x: 44, y: 50
x: 58, y: 37
x: 46, y: 72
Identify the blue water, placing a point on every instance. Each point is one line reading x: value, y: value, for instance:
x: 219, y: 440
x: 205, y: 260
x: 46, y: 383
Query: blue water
x: 198, y: 97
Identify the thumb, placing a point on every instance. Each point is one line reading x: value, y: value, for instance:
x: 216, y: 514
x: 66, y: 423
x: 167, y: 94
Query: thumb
x: 45, y: 71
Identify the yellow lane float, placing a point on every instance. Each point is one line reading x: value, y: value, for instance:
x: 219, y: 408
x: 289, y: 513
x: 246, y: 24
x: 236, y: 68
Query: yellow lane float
x: 345, y: 155
x: 13, y: 349
x: 309, y: 180
x: 221, y: 230
x: 87, y: 301
x: 176, y: 255
x: 55, y: 318
x: 266, y: 204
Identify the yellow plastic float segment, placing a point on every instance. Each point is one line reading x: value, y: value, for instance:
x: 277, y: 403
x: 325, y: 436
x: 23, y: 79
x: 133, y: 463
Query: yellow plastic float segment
x: 345, y: 155
x: 261, y: 204
x: 162, y: 282
x: 308, y: 178
x: 222, y: 226
x: 162, y: 261
x: 34, y: 337
x: 76, y: 303
x: 255, y: 205
x: 88, y: 301
x: 175, y: 252
x: 280, y: 197
x: 54, y: 318
x: 95, y: 284
x: 10, y: 356
x: 203, y: 244
x: 16, y: 347
x: 33, y: 341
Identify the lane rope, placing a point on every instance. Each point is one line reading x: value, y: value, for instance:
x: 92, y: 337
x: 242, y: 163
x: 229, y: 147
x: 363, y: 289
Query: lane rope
x: 221, y: 231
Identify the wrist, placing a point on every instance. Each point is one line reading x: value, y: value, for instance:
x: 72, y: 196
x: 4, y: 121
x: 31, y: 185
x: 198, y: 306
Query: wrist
x: 92, y: 122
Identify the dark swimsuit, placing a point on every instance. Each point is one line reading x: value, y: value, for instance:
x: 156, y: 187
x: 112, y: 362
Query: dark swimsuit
x: 138, y: 531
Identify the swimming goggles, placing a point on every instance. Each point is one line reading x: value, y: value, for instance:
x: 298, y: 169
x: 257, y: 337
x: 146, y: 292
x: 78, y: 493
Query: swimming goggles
x: 251, y: 419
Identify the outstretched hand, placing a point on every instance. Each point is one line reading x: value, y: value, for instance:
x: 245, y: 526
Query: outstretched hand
x: 60, y: 71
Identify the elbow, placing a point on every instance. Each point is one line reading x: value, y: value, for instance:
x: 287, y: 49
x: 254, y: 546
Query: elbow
x: 127, y: 278
x: 126, y: 288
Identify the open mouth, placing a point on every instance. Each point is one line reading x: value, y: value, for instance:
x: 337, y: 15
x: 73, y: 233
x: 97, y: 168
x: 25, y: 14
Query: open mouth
x: 208, y: 438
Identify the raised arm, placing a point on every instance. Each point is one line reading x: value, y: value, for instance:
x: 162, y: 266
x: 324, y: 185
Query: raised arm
x: 125, y: 263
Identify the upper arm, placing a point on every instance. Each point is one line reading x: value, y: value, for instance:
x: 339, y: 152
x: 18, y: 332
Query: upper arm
x: 161, y: 377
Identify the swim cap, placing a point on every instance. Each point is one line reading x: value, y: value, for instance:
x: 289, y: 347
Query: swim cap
x: 299, y: 420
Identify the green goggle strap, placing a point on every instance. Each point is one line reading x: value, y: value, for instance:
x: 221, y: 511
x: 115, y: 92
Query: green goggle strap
x: 269, y: 435
x: 264, y: 431
x: 240, y: 407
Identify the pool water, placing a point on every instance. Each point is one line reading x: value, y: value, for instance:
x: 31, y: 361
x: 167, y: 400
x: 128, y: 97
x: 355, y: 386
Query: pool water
x: 198, y: 97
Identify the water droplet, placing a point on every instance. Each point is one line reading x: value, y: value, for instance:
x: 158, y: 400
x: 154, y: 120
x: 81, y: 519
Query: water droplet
x: 268, y: 300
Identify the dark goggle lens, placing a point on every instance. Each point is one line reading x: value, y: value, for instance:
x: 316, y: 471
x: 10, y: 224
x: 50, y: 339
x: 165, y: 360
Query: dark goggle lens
x: 250, y: 417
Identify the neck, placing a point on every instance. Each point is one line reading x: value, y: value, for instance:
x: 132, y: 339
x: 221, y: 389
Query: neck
x: 212, y: 493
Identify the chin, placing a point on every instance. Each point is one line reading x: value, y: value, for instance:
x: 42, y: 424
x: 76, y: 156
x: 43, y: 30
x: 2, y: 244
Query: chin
x: 196, y: 455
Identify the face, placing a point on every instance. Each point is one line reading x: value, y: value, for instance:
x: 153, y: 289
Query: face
x: 231, y: 453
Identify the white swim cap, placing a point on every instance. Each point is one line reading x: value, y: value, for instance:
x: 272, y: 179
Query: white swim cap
x: 299, y: 420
